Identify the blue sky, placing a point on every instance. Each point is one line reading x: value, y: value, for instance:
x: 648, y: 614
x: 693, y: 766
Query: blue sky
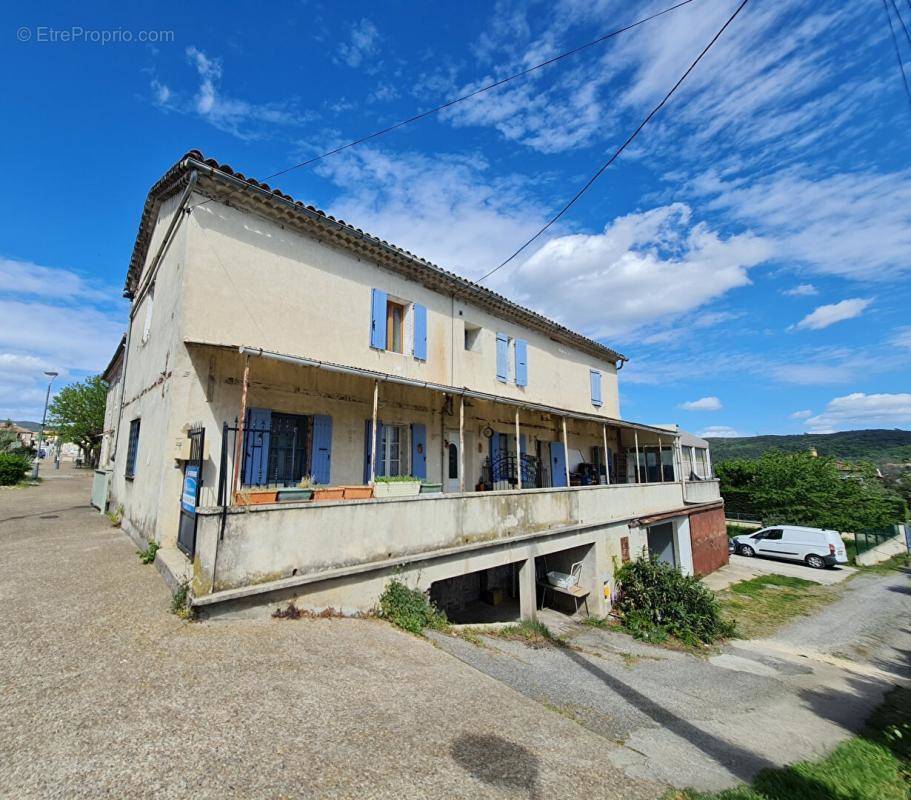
x: 751, y: 252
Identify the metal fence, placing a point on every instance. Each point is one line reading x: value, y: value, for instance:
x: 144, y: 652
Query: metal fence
x: 500, y: 473
x: 867, y: 540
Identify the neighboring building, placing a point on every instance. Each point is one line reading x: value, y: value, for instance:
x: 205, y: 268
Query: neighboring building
x: 269, y: 343
x: 27, y: 438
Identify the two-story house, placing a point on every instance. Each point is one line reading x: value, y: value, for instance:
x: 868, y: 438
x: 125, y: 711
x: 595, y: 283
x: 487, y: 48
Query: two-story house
x: 270, y: 344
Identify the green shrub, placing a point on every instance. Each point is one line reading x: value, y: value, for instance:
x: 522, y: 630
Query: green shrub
x: 656, y: 601
x: 13, y: 468
x: 409, y: 609
x: 147, y: 556
x: 397, y: 479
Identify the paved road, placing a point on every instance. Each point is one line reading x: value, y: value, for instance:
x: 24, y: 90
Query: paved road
x: 741, y: 568
x: 104, y: 694
x: 712, y: 722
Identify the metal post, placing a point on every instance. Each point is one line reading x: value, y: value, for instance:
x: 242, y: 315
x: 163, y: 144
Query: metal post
x: 373, y: 431
x: 606, y: 461
x: 462, y: 443
x: 565, y: 451
x: 636, y: 439
x: 518, y: 454
x: 47, y: 398
x: 241, y: 426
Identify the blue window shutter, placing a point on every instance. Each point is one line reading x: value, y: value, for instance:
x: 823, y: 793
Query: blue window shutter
x: 495, y: 457
x: 378, y: 320
x: 522, y: 449
x: 257, y: 430
x: 523, y: 465
x: 557, y: 464
x: 380, y: 449
x: 521, y: 362
x: 502, y: 350
x: 321, y: 461
x: 419, y: 451
x: 596, y: 386
x: 420, y: 332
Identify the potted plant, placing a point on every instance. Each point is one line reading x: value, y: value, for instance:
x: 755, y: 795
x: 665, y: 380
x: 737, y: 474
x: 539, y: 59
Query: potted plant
x: 396, y: 486
x: 256, y: 497
x: 431, y: 488
x: 328, y: 492
x: 358, y: 492
x: 303, y: 491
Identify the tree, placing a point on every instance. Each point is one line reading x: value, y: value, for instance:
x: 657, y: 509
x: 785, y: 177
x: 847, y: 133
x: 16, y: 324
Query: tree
x: 802, y: 489
x: 76, y: 414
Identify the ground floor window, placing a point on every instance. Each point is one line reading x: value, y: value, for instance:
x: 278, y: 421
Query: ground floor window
x: 132, y: 449
x: 394, y: 451
x: 287, y: 449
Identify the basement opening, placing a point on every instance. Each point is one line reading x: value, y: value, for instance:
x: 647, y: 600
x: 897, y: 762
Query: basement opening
x: 477, y: 598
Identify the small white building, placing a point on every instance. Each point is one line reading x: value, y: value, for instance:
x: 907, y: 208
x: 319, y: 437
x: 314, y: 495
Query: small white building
x: 271, y: 344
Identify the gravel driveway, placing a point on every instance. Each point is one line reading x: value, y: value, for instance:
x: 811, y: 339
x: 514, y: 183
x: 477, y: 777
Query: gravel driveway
x: 106, y: 694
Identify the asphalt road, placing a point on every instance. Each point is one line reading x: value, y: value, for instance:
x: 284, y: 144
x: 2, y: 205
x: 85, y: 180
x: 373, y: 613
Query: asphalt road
x: 105, y: 694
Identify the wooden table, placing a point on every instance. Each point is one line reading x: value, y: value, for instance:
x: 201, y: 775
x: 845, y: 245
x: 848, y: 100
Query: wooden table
x: 577, y: 593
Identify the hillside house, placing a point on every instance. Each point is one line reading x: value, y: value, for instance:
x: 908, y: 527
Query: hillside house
x: 270, y: 344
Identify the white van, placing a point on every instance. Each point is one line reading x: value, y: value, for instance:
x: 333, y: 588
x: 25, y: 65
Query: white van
x: 816, y: 547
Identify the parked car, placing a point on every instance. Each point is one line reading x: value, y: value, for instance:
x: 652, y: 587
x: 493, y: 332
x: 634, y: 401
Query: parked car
x: 816, y: 547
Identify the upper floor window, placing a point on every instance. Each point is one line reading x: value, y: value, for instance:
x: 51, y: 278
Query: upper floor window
x: 595, y: 381
x: 394, y: 322
x: 149, y: 303
x: 472, y: 338
x: 512, y: 360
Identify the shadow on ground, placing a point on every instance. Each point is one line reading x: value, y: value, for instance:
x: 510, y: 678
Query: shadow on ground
x: 498, y: 762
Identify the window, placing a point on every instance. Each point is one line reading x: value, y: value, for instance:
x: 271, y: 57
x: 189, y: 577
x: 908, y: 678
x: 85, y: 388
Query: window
x: 521, y: 362
x: 472, y: 338
x: 774, y: 536
x: 132, y: 449
x: 147, y: 325
x: 393, y: 450
x: 502, y: 357
x: 395, y: 326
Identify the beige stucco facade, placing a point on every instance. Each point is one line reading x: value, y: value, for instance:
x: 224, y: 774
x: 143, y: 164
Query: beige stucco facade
x: 230, y: 275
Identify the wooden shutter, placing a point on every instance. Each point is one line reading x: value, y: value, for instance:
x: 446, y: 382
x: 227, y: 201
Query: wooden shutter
x: 378, y: 320
x: 321, y: 460
x: 257, y: 431
x: 502, y: 356
x: 595, y: 378
x: 419, y: 451
x: 420, y: 332
x: 521, y: 362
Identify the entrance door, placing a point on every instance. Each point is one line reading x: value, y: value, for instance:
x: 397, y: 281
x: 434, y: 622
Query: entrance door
x: 452, y: 461
x: 189, y: 499
x: 661, y: 542
x: 557, y: 464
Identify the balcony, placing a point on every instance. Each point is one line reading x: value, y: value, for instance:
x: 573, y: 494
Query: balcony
x: 269, y: 543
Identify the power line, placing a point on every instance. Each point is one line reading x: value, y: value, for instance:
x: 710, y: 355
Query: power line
x: 902, y: 21
x: 475, y: 93
x: 898, y: 55
x: 622, y: 147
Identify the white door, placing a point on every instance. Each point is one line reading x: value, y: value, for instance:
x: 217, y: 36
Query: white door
x: 451, y: 466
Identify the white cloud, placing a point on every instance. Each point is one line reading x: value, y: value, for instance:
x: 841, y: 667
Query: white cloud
x: 801, y: 414
x: 824, y: 316
x: 26, y: 278
x: 859, y: 410
x: 244, y: 119
x: 902, y: 338
x: 361, y: 44
x: 654, y: 265
x: 802, y: 290
x: 719, y: 432
x: 702, y: 404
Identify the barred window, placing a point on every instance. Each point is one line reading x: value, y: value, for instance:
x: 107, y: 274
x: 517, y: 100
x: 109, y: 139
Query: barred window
x: 132, y: 449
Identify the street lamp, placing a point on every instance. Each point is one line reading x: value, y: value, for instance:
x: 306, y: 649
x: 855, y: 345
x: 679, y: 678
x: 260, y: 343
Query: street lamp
x: 47, y: 398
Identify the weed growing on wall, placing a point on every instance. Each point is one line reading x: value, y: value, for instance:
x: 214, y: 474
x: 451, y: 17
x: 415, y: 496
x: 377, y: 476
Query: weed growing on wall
x: 409, y: 609
x: 180, y: 601
x: 657, y: 601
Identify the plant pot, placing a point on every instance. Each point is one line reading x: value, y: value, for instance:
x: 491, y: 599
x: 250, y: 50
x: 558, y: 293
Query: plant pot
x: 294, y: 494
x: 431, y: 488
x: 329, y: 493
x: 358, y: 492
x: 256, y: 498
x: 396, y: 488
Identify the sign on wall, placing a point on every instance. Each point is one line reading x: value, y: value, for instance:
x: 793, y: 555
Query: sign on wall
x: 190, y: 489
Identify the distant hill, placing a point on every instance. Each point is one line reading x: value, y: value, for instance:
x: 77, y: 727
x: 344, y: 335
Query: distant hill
x: 29, y: 426
x: 879, y: 445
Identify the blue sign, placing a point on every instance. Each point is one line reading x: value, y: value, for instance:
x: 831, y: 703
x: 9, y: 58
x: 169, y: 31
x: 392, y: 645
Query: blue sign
x: 190, y: 489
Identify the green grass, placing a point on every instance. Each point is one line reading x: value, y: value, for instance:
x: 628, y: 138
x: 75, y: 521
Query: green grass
x: 873, y: 766
x: 532, y: 632
x: 761, y: 605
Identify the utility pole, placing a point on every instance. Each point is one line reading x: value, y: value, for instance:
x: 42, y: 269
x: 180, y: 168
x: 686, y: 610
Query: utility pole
x: 47, y: 398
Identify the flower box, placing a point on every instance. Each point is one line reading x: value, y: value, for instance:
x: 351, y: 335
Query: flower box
x: 396, y: 488
x: 358, y: 492
x: 256, y: 497
x: 294, y: 494
x: 329, y: 493
x: 431, y: 488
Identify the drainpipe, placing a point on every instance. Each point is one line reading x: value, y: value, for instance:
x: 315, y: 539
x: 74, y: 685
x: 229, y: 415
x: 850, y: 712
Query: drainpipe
x: 137, y: 297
